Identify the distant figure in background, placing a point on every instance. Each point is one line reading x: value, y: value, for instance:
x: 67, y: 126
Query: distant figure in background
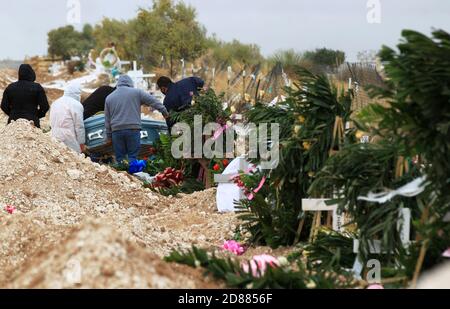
x: 123, y: 118
x: 25, y: 99
x: 95, y: 103
x: 66, y: 117
x: 179, y: 95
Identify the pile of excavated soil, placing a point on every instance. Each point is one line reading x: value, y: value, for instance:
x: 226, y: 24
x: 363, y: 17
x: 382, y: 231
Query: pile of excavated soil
x: 55, y: 190
x: 21, y: 239
x: 195, y: 222
x: 43, y: 176
x: 94, y: 255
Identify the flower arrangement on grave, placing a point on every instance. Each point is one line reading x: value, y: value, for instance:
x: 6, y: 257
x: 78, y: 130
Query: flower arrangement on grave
x: 311, y: 128
x: 263, y: 272
x: 209, y: 107
x: 168, y: 179
x: 233, y: 247
x: 219, y: 165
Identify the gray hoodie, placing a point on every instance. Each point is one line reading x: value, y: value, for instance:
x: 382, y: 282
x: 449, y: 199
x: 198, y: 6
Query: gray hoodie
x: 123, y: 106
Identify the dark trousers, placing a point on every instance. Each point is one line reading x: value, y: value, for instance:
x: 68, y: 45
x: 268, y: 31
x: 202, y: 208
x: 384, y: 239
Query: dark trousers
x: 126, y: 144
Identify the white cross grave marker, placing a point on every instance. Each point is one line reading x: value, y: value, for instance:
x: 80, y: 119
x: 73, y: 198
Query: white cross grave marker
x: 139, y: 78
x: 318, y: 205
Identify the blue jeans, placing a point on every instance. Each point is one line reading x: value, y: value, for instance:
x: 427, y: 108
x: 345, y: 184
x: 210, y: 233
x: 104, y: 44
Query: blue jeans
x: 126, y: 143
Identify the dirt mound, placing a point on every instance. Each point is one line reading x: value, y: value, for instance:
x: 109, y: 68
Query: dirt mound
x: 22, y: 238
x: 96, y: 256
x: 54, y: 191
x: 43, y: 176
x: 194, y: 220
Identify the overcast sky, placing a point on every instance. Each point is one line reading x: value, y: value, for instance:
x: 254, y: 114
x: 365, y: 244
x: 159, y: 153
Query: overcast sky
x: 272, y: 24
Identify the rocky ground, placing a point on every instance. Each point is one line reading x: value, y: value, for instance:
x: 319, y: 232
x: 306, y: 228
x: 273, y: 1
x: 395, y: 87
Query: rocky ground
x: 55, y: 192
x: 95, y: 255
x: 70, y: 212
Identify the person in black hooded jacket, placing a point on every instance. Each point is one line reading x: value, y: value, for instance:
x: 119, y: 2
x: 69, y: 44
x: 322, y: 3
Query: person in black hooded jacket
x: 96, y: 101
x: 25, y: 99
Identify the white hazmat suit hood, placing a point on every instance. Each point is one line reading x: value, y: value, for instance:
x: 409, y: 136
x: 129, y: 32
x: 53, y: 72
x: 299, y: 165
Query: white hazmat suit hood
x: 73, y: 90
x: 66, y: 117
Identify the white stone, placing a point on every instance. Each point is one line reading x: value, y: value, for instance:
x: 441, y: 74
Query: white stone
x: 74, y: 174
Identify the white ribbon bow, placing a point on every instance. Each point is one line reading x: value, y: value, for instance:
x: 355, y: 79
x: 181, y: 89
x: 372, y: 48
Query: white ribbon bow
x: 412, y: 189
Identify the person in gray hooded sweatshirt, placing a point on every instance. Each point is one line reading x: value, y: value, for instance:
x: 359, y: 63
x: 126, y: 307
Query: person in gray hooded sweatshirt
x: 123, y: 118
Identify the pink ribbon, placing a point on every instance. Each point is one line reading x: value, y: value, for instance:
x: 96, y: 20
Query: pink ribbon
x: 246, y: 172
x: 251, y: 196
x: 259, y: 265
x: 446, y: 254
x: 220, y: 131
x: 233, y: 247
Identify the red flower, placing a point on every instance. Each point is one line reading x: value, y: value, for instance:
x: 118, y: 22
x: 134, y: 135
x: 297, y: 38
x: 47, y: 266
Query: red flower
x: 169, y: 178
x: 225, y: 162
x: 10, y: 209
x: 216, y: 167
x: 145, y: 158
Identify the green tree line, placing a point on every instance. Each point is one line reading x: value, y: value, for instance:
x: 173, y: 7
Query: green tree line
x: 167, y: 32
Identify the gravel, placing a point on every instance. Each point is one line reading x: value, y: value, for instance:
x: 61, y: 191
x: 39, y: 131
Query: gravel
x: 94, y: 255
x: 56, y: 191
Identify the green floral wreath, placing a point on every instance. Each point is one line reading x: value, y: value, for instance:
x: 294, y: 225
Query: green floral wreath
x: 109, y: 51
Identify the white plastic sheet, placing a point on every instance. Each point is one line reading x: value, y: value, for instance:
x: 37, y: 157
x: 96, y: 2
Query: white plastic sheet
x: 229, y: 193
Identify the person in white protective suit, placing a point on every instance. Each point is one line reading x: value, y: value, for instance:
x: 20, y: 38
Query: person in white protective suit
x: 66, y: 118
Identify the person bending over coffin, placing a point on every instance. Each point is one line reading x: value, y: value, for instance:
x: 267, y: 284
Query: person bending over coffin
x: 179, y: 95
x: 123, y: 118
x: 25, y: 99
x: 95, y: 103
x: 66, y: 117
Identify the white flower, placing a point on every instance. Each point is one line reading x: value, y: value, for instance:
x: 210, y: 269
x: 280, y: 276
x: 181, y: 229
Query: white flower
x: 311, y: 285
x: 197, y: 264
x: 283, y: 261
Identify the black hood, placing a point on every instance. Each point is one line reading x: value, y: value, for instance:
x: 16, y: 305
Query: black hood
x: 26, y: 72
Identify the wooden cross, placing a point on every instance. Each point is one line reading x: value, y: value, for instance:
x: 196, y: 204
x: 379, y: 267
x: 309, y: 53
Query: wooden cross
x: 335, y: 220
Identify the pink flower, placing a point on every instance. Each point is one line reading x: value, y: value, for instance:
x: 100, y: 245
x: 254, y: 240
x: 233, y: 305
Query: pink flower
x: 446, y: 254
x: 10, y: 209
x: 233, y: 247
x: 259, y: 265
x: 375, y: 287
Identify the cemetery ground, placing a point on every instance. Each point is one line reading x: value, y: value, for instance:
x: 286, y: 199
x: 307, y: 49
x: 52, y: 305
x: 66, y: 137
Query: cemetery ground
x: 352, y: 203
x: 73, y: 215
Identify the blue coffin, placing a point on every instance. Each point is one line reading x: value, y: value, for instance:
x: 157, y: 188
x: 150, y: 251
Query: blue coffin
x: 96, y: 135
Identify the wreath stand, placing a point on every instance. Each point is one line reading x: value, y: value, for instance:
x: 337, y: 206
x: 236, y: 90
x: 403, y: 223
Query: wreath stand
x: 318, y: 206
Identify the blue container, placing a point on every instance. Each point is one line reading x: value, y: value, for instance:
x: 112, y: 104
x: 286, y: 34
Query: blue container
x: 96, y: 135
x: 95, y: 132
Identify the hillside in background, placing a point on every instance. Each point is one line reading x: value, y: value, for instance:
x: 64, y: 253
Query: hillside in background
x: 9, y: 64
